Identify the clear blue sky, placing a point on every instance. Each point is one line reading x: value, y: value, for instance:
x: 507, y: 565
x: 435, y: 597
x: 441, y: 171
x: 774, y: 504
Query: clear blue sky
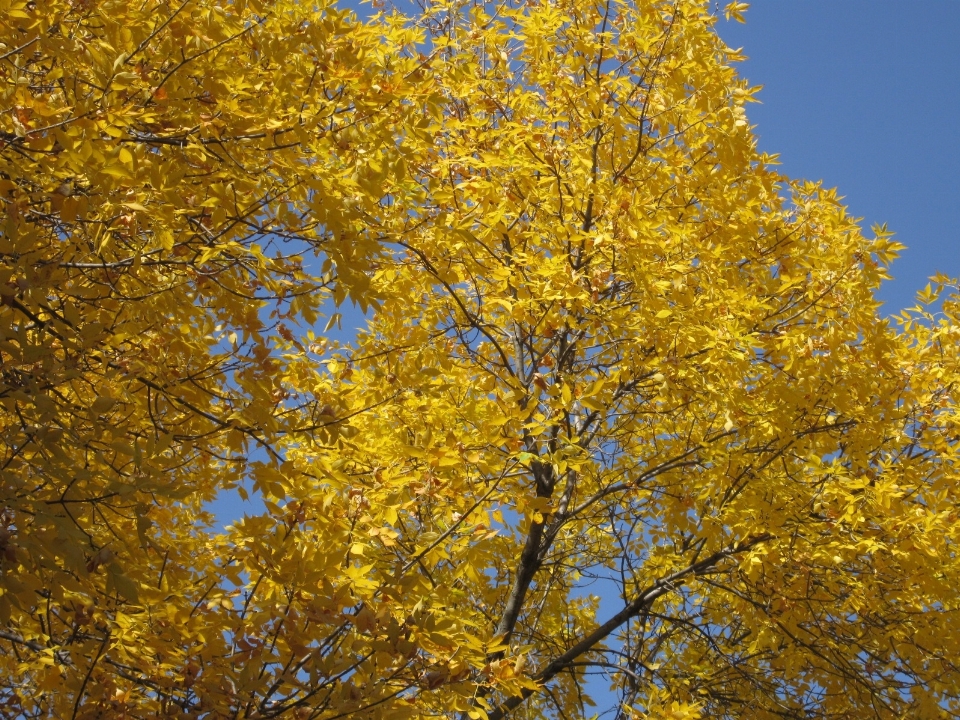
x: 865, y: 95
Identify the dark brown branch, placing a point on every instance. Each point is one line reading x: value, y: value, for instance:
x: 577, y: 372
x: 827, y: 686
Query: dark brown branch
x: 636, y: 607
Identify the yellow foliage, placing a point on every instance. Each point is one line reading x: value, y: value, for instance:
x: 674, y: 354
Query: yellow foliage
x: 611, y: 352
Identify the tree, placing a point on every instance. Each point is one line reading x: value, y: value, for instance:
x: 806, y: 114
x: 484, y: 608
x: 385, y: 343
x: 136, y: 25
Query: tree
x: 613, y: 352
x: 170, y: 173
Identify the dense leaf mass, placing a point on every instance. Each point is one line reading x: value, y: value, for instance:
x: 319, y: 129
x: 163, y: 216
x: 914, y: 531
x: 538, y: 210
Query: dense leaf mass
x: 626, y: 420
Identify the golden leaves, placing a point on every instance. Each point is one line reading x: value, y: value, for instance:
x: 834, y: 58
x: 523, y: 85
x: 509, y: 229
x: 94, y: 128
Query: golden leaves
x: 601, y: 346
x: 149, y: 174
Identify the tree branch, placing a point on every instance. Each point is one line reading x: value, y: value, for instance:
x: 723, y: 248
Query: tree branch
x: 636, y: 607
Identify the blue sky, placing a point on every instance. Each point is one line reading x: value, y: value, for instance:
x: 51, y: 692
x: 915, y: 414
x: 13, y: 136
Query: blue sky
x: 865, y: 95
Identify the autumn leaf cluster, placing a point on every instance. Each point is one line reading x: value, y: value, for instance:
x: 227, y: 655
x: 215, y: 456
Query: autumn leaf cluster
x: 626, y: 418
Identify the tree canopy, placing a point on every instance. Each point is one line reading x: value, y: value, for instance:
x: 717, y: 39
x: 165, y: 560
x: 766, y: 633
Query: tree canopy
x: 626, y: 426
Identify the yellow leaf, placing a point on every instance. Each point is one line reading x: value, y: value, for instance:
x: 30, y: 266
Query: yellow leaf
x: 735, y: 10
